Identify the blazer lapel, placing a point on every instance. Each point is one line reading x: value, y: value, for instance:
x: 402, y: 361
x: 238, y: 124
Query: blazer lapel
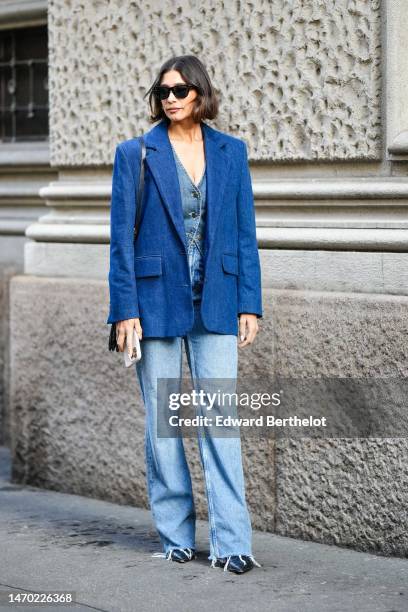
x: 160, y: 159
x: 218, y: 164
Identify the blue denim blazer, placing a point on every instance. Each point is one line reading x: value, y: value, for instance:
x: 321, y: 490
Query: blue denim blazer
x: 150, y: 278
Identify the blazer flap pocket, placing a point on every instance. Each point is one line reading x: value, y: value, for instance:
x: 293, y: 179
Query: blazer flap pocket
x: 148, y: 265
x: 230, y: 263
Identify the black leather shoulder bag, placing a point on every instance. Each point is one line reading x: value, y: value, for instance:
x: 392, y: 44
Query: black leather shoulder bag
x: 113, y: 345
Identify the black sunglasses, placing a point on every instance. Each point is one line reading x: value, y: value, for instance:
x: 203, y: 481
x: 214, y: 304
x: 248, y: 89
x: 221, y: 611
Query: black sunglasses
x: 179, y: 91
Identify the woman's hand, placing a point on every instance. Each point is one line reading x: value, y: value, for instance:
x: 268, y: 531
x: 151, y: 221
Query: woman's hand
x: 248, y: 328
x: 124, y: 331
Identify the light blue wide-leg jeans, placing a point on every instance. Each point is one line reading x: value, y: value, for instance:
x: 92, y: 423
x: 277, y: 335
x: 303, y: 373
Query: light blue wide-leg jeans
x: 209, y: 355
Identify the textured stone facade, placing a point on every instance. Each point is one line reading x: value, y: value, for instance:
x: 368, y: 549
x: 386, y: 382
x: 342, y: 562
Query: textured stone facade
x: 82, y: 407
x: 298, y: 80
x: 301, y: 82
x: 78, y: 411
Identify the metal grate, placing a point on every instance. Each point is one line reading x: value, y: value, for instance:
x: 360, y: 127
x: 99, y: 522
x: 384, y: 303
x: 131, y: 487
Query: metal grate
x: 24, y: 84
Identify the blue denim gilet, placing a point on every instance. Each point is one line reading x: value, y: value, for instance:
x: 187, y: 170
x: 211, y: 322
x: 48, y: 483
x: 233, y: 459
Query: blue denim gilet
x: 193, y: 199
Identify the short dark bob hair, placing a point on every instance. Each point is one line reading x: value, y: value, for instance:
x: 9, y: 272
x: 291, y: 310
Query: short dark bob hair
x: 193, y: 72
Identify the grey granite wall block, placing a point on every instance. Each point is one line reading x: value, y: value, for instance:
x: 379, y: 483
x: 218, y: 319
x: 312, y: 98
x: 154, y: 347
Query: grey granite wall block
x: 297, y: 80
x: 75, y: 404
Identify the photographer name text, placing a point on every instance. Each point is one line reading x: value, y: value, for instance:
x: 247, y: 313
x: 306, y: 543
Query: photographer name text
x: 259, y: 421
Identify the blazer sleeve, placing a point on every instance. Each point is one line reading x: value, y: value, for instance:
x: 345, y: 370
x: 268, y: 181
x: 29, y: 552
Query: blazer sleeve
x: 249, y: 278
x: 122, y: 280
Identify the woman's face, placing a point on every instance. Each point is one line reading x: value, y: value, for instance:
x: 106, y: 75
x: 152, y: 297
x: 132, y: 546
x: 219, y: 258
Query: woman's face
x: 177, y: 109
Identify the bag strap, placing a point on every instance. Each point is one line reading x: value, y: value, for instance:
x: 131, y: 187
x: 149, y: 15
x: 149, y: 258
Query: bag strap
x: 140, y: 189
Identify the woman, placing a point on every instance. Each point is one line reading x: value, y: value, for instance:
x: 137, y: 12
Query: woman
x: 192, y: 272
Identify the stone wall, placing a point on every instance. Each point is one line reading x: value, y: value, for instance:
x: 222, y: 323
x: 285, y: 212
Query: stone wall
x: 7, y: 271
x: 298, y: 80
x: 303, y: 82
x: 83, y: 408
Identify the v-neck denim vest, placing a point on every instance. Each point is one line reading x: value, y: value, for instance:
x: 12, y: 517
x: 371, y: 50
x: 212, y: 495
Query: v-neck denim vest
x: 193, y: 199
